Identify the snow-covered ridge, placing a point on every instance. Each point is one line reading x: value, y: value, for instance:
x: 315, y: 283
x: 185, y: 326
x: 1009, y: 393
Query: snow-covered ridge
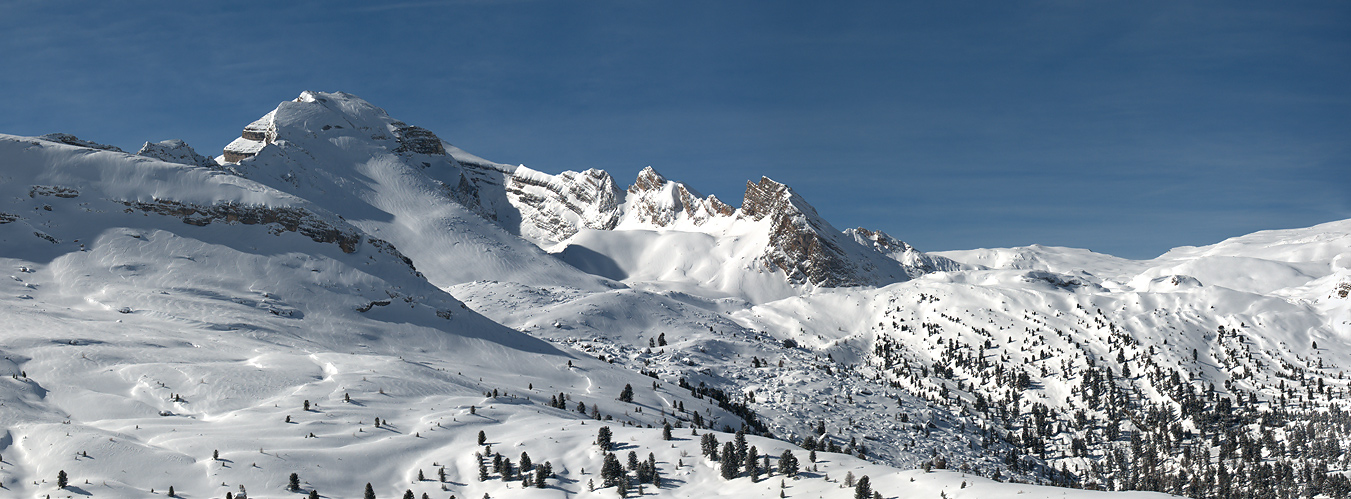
x: 1262, y: 262
x: 195, y: 195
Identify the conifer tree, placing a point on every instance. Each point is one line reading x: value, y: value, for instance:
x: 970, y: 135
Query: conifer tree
x: 603, y: 438
x: 408, y: 494
x: 482, y: 437
x: 171, y: 491
x: 293, y: 482
x: 314, y: 494
x: 370, y: 492
x: 611, y: 472
x: 627, y: 394
x: 753, y: 464
x: 61, y: 481
x: 666, y: 431
x: 863, y: 490
x: 730, y: 466
x: 740, y: 445
x: 788, y: 463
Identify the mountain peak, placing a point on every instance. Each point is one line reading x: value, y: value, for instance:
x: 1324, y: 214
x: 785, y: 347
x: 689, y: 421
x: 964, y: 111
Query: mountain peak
x: 806, y: 248
x: 769, y: 197
x: 648, y: 180
x: 324, y: 114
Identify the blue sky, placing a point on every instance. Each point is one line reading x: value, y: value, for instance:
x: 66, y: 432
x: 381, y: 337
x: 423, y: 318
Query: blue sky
x: 1126, y: 128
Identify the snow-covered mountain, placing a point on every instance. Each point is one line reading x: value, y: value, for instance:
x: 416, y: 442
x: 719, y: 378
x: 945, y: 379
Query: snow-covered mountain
x: 166, y: 305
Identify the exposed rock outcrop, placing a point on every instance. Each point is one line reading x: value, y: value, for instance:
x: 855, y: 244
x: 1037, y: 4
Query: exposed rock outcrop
x: 806, y: 248
x: 176, y: 151
x: 281, y: 218
x: 417, y: 140
x: 539, y: 206
x: 72, y: 140
x: 916, y: 262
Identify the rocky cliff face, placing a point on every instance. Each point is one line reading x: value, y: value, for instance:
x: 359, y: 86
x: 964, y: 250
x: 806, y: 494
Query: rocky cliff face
x: 556, y: 206
x: 916, y: 263
x: 652, y: 199
x: 806, y: 248
x: 538, y: 206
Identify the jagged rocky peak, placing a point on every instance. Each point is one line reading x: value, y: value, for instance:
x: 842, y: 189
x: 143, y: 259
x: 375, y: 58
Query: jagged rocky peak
x: 768, y: 198
x: 648, y: 180
x: 175, y: 151
x: 916, y: 262
x: 655, y: 200
x: 317, y: 114
x: 806, y: 248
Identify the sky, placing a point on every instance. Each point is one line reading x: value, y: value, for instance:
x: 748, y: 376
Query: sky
x: 1123, y: 127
